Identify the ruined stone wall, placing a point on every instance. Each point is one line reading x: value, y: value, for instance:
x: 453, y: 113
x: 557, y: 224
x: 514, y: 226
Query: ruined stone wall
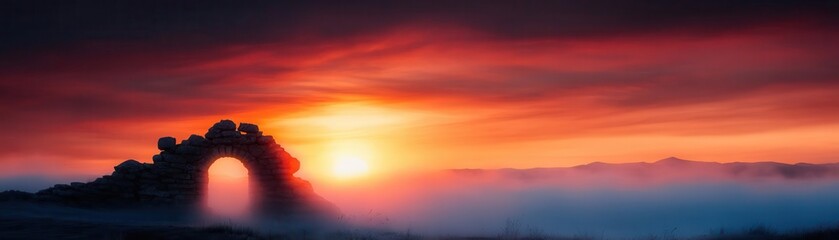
x: 178, y: 175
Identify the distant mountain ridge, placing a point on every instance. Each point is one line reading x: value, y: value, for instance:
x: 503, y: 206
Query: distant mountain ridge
x: 669, y: 168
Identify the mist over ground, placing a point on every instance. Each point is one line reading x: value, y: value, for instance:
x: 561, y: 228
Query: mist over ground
x: 671, y: 197
x: 33, y: 183
x: 626, y: 200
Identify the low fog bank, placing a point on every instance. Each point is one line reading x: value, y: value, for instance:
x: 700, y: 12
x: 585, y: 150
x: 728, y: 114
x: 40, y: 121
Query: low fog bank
x: 582, y: 202
x: 17, y: 207
x: 34, y: 183
x: 67, y: 222
x: 685, y: 209
x: 126, y: 216
x: 670, y: 198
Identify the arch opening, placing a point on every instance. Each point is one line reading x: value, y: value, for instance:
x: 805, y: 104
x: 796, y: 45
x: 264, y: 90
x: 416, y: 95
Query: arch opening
x: 229, y: 191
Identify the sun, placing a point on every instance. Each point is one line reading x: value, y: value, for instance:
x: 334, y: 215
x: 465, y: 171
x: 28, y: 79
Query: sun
x: 349, y: 167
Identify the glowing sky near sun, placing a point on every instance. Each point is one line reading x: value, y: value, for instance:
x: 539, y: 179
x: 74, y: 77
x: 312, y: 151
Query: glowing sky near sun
x: 422, y: 86
x: 228, y: 191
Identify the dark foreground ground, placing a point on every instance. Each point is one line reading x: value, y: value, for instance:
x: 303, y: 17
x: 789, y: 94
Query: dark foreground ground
x: 64, y: 229
x: 23, y: 220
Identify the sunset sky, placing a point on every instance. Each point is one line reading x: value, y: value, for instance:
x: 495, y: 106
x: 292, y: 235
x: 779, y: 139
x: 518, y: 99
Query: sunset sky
x: 425, y: 85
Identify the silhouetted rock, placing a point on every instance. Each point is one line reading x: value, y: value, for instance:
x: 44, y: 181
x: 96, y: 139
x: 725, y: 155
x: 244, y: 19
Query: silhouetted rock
x: 129, y: 166
x: 225, y: 125
x: 230, y: 133
x: 266, y: 140
x: 178, y: 175
x: 248, y: 128
x: 196, y: 140
x: 166, y: 143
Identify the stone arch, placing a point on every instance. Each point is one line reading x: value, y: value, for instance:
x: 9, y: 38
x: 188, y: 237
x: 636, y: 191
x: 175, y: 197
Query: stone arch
x: 178, y: 175
x: 262, y: 174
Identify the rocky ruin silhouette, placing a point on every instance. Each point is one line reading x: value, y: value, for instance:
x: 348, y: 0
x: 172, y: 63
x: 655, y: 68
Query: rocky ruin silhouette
x: 179, y: 175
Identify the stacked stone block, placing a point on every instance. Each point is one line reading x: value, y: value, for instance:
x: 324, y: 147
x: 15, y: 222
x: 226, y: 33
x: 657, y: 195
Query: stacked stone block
x: 178, y: 175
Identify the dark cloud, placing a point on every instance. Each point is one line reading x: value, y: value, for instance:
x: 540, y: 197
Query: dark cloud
x: 172, y: 26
